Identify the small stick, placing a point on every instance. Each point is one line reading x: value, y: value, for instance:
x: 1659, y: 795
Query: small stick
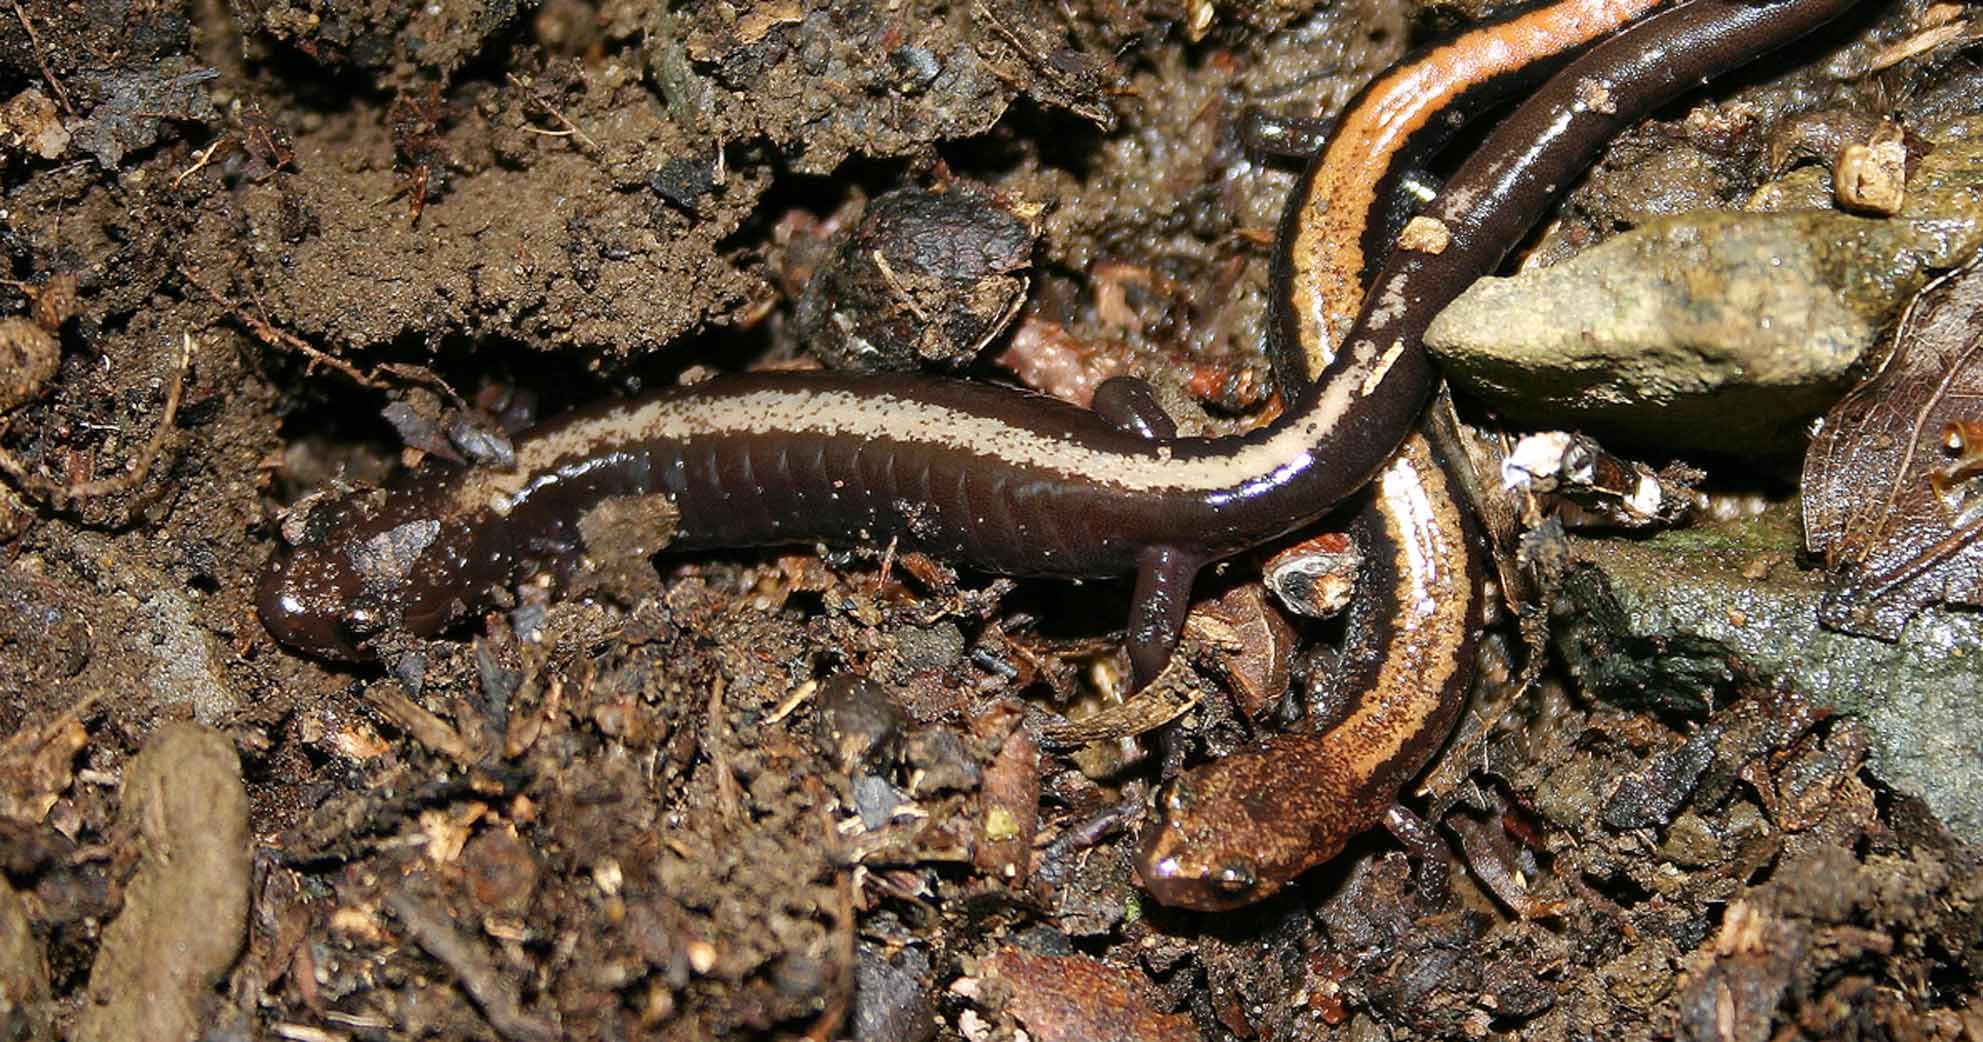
x: 571, y: 128
x: 200, y: 163
x: 41, y: 59
x: 274, y: 337
x: 59, y: 495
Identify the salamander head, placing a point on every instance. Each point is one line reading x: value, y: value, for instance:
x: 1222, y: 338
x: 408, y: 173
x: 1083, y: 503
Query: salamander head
x: 304, y: 598
x: 1194, y: 856
x: 346, y: 575
x: 1236, y: 831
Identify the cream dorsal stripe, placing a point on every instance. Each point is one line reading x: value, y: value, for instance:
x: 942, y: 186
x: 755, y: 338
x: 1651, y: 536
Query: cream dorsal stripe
x: 1343, y: 214
x: 1187, y: 465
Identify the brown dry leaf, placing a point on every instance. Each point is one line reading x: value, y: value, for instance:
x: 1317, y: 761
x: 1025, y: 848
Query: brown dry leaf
x: 1011, y: 809
x: 1075, y: 998
x: 1260, y: 656
x: 31, y: 783
x: 1888, y: 504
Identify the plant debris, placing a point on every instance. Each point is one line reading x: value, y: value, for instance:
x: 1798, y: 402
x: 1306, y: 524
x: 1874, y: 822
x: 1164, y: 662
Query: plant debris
x: 1891, y: 500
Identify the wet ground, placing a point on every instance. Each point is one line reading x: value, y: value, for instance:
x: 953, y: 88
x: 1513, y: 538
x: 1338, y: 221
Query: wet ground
x: 253, y: 249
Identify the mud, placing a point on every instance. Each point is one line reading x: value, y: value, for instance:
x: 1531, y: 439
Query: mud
x: 635, y: 823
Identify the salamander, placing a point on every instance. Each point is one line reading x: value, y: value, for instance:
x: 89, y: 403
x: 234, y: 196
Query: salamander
x: 1237, y: 830
x: 997, y: 478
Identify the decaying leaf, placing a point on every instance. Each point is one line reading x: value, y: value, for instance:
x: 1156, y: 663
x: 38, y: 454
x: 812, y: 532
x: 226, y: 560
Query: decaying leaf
x: 1064, y: 998
x: 1891, y: 498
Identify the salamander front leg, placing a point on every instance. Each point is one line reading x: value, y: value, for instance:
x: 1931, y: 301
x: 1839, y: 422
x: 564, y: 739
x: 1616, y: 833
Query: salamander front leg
x: 1163, y: 574
x: 1132, y: 406
x: 1156, y: 614
x: 1423, y: 844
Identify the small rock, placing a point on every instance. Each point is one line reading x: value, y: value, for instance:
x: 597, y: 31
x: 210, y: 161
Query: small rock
x: 1710, y: 330
x: 857, y: 723
x: 892, y: 1000
x: 185, y: 664
x: 876, y: 800
x: 29, y: 120
x: 925, y: 277
x: 501, y: 872
x: 29, y: 356
x: 185, y: 910
x: 1691, y: 842
x: 23, y: 972
x: 1065, y: 998
x: 139, y: 104
x: 935, y: 646
x: 1315, y: 578
x: 942, y: 759
x: 621, y: 534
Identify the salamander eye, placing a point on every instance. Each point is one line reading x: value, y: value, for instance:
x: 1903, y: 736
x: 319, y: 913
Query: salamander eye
x: 359, y: 622
x: 1235, y: 878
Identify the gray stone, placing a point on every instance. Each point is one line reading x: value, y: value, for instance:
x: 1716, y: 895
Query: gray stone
x: 1711, y: 330
x: 1668, y: 621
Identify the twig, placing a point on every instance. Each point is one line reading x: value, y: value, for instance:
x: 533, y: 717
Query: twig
x: 32, y: 737
x: 199, y: 164
x: 895, y: 283
x: 426, y: 728
x: 41, y: 59
x: 1920, y: 43
x: 716, y: 745
x: 570, y: 127
x: 59, y: 495
x: 432, y: 930
x: 274, y: 337
x: 830, y: 1020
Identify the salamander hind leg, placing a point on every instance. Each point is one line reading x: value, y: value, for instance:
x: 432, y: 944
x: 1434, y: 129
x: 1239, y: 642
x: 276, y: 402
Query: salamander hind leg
x: 1164, y: 574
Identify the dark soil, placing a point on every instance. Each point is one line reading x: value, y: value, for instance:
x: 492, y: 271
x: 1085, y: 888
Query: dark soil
x: 777, y: 794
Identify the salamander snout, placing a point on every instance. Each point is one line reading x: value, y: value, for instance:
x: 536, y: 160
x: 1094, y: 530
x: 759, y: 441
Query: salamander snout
x: 307, y: 600
x: 1192, y: 859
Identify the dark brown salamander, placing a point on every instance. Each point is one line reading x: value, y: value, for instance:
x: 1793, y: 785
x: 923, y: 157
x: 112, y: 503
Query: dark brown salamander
x: 1237, y: 830
x: 1001, y: 479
